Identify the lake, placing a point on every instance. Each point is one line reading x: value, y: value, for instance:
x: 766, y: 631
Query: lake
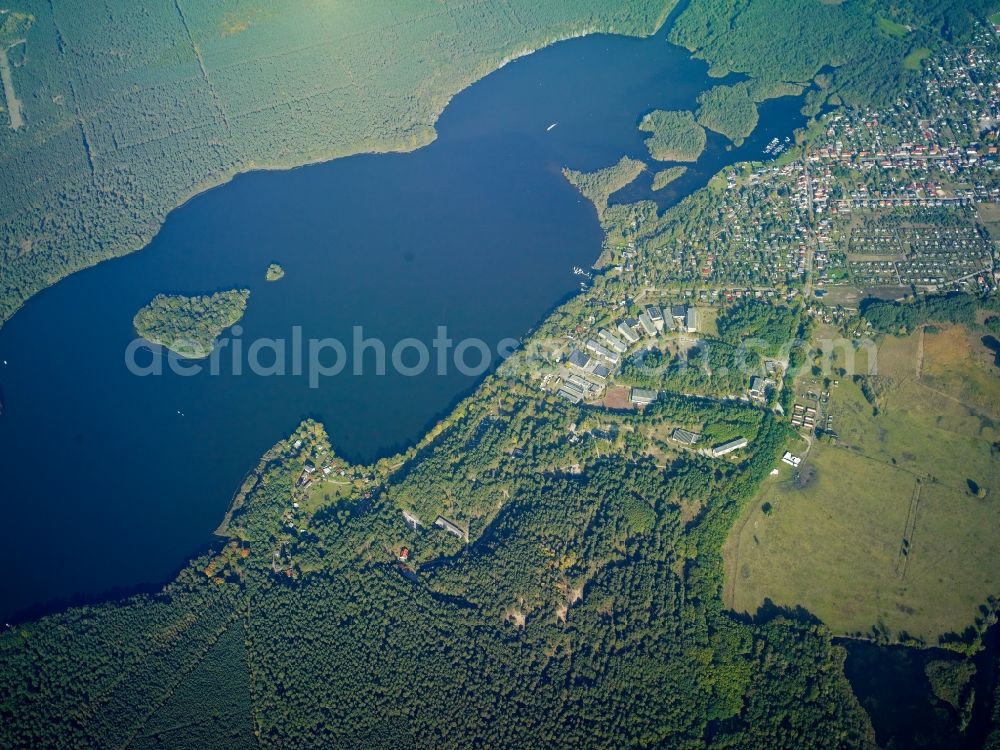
x: 112, y: 480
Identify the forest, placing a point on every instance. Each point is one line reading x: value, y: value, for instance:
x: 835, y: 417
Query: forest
x: 189, y: 326
x: 598, y: 187
x: 675, y: 136
x: 773, y: 327
x: 665, y: 176
x: 899, y: 318
x: 728, y: 110
x: 713, y: 368
x: 581, y: 599
x: 795, y: 41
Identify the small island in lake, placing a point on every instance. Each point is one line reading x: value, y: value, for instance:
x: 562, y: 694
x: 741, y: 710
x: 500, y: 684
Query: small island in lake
x: 190, y: 325
x: 274, y: 272
x: 675, y: 136
x: 664, y: 177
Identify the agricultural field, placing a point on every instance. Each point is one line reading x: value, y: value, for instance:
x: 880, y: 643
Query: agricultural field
x: 883, y: 531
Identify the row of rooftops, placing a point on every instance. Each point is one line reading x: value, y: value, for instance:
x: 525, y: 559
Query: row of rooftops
x: 607, y: 348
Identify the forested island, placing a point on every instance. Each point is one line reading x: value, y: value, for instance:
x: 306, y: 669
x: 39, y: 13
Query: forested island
x: 274, y: 272
x: 189, y: 326
x: 675, y: 136
x: 599, y: 186
x: 665, y: 176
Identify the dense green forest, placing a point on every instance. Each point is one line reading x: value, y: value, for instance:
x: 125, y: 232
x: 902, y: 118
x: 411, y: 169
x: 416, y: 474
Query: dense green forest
x: 794, y: 41
x: 190, y: 325
x: 713, y: 368
x: 665, y: 176
x: 599, y: 186
x: 675, y: 136
x: 728, y: 110
x: 770, y: 327
x: 132, y: 108
x: 582, y: 612
x: 902, y: 317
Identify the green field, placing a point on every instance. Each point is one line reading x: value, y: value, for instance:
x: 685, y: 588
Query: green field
x: 832, y: 541
x: 892, y: 28
x: 913, y: 60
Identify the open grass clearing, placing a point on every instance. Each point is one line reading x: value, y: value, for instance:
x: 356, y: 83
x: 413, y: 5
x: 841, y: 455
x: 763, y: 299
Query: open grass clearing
x: 883, y: 529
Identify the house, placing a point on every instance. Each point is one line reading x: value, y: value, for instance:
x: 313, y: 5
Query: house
x: 602, y: 352
x: 571, y: 396
x: 684, y: 437
x: 678, y: 313
x: 643, y: 396
x: 791, y: 460
x: 627, y: 329
x: 655, y: 315
x: 732, y: 445
x: 578, y: 359
x: 759, y: 387
x: 691, y: 321
x: 600, y: 371
x: 451, y: 528
x: 614, y: 343
x: 647, y: 325
x: 404, y: 554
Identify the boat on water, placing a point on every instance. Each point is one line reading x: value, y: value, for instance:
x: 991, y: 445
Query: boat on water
x: 551, y: 126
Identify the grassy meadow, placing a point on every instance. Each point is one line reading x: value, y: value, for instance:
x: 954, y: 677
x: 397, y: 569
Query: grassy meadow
x: 883, y: 529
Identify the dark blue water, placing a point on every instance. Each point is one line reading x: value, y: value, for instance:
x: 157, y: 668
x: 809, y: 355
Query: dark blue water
x: 104, y: 484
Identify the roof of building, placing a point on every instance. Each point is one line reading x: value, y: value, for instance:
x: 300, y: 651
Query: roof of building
x: 573, y: 398
x: 732, y: 445
x: 613, y: 341
x: 601, y: 351
x: 685, y: 436
x: 447, y: 525
x: 643, y: 395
